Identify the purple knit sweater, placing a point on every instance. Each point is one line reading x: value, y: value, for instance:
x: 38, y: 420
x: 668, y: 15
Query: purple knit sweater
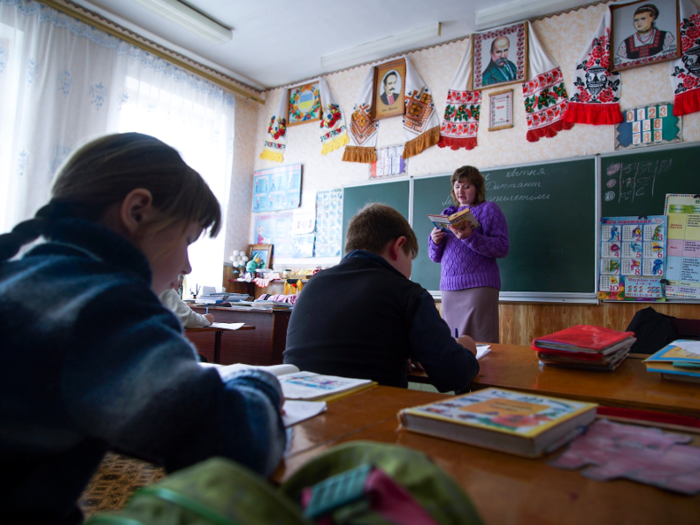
x: 471, y: 263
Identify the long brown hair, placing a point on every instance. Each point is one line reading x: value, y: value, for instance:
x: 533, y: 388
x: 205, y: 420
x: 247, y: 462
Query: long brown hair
x: 104, y: 171
x: 474, y: 177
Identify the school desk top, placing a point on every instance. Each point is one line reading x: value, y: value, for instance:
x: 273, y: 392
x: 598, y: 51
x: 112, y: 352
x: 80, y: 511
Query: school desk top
x: 504, y: 488
x: 630, y: 386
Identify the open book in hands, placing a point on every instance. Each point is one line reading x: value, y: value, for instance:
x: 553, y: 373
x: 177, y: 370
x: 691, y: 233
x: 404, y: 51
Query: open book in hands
x: 458, y: 220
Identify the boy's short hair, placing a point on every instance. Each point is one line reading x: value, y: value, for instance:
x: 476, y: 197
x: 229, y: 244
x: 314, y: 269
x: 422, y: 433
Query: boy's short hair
x: 374, y: 226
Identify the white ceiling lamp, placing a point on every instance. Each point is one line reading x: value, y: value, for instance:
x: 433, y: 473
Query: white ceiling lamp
x: 380, y: 48
x: 519, y: 10
x: 190, y: 19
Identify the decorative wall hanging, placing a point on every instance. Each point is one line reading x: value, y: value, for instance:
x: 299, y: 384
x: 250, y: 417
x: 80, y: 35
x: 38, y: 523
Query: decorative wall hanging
x: 500, y: 56
x: 597, y: 99
x: 544, y: 97
x: 501, y: 110
x: 304, y: 104
x: 421, y: 125
x: 329, y: 229
x: 648, y: 126
x: 387, y: 93
x: 644, y: 33
x: 332, y: 126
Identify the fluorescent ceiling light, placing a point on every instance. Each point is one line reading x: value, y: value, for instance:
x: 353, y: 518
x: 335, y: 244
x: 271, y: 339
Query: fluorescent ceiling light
x: 519, y: 10
x: 380, y: 48
x: 190, y: 19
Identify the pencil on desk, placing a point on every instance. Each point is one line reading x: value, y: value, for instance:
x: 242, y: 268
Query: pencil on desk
x: 206, y: 309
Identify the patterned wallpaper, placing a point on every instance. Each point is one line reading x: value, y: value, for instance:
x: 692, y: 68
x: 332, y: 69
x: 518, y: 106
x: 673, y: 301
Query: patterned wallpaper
x: 563, y: 36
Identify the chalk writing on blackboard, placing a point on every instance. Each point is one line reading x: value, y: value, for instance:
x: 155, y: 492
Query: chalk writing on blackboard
x: 633, y: 181
x: 493, y: 186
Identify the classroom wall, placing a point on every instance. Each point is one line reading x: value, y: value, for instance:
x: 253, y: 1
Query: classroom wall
x: 564, y: 37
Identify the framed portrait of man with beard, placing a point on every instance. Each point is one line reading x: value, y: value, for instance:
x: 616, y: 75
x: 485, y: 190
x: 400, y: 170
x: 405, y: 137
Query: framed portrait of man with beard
x: 500, y: 56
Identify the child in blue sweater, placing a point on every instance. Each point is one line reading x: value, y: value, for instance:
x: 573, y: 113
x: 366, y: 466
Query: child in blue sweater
x: 91, y: 359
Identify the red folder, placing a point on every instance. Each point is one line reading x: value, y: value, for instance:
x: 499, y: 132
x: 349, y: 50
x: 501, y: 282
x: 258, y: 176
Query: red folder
x: 583, y: 338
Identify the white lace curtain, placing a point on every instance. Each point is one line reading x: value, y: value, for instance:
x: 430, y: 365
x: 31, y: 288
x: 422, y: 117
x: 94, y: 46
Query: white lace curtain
x: 63, y: 82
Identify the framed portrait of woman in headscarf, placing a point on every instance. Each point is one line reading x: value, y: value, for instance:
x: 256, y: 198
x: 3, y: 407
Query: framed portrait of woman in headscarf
x: 644, y: 33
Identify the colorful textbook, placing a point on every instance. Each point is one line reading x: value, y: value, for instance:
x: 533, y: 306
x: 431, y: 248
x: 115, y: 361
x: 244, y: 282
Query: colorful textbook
x: 458, y: 220
x: 679, y: 360
x: 522, y: 424
x: 318, y: 387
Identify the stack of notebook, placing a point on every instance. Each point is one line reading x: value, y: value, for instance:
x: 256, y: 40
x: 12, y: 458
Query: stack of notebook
x: 584, y: 346
x: 679, y: 360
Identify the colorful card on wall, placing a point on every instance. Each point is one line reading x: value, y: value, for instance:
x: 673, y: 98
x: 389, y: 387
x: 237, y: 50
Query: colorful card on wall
x: 683, y: 271
x: 277, y: 188
x: 681, y: 203
x: 648, y: 126
x: 329, y: 213
x: 275, y: 229
x: 632, y: 258
x: 389, y: 163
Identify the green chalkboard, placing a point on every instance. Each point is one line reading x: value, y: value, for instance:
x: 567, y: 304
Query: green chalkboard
x: 551, y: 214
x: 637, y: 183
x: 395, y: 194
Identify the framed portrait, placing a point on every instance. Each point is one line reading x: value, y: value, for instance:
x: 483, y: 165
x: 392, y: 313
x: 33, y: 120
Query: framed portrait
x: 263, y: 252
x: 388, y: 90
x: 304, y: 104
x: 501, y: 110
x: 644, y: 33
x: 500, y: 56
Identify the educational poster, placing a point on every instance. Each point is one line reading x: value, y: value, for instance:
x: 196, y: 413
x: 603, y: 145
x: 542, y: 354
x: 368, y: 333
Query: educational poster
x: 277, y: 188
x: 648, y: 126
x: 389, y: 163
x: 683, y: 272
x: 275, y: 229
x: 632, y: 258
x: 303, y: 246
x: 681, y: 203
x: 329, y: 214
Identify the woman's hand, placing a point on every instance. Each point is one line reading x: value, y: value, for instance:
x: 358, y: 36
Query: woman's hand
x: 461, y: 234
x: 437, y: 235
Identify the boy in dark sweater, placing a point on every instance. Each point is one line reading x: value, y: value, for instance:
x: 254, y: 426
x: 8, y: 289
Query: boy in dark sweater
x: 365, y: 318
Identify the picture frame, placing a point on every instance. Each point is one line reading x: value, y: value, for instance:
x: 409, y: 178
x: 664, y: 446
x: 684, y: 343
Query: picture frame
x: 264, y: 251
x: 304, y: 104
x: 644, y: 33
x: 500, y: 56
x: 501, y: 110
x: 388, y: 90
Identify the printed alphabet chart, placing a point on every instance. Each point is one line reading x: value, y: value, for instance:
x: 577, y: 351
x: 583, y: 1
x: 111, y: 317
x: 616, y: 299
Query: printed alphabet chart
x: 632, y: 258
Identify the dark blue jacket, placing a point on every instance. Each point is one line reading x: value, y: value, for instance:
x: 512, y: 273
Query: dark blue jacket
x: 364, y: 319
x: 92, y: 361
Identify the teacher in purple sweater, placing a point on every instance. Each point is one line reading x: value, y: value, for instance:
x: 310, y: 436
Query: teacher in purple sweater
x: 469, y: 277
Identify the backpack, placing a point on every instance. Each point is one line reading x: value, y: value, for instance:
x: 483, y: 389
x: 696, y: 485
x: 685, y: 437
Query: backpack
x: 357, y: 483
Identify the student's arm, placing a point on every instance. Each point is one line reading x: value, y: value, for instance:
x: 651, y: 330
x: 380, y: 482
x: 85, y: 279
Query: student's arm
x: 137, y: 386
x: 491, y: 240
x: 449, y: 365
x: 188, y: 317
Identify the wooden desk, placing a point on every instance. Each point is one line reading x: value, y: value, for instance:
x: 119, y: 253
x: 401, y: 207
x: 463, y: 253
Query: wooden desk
x: 505, y: 489
x: 630, y: 386
x: 216, y: 355
x: 263, y: 346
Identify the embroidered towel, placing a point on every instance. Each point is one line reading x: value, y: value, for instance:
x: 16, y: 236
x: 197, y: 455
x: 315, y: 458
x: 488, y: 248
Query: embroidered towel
x: 685, y: 72
x: 333, y: 131
x: 276, y: 139
x: 597, y: 99
x: 421, y: 124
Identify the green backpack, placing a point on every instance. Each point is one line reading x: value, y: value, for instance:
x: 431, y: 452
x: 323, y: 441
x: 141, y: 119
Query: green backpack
x: 357, y: 483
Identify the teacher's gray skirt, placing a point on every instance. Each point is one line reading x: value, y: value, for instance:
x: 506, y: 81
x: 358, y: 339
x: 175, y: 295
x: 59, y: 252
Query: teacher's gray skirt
x: 473, y: 312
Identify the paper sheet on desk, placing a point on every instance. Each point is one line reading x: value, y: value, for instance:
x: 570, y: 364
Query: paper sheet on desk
x: 482, y: 350
x: 688, y: 346
x: 298, y: 411
x: 227, y: 326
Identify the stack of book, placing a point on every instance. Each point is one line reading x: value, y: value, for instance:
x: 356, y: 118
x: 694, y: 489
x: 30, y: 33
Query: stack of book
x: 679, y: 360
x: 584, y: 346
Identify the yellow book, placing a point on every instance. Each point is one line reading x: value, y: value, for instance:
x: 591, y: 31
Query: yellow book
x: 458, y: 220
x: 504, y: 420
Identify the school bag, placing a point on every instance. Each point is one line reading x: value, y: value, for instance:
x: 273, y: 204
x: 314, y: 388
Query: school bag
x: 357, y: 483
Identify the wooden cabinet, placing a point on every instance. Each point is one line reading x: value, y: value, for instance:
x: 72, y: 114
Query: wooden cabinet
x: 262, y: 346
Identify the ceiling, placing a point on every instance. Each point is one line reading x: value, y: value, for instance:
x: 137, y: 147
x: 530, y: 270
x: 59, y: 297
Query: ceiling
x: 279, y: 42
